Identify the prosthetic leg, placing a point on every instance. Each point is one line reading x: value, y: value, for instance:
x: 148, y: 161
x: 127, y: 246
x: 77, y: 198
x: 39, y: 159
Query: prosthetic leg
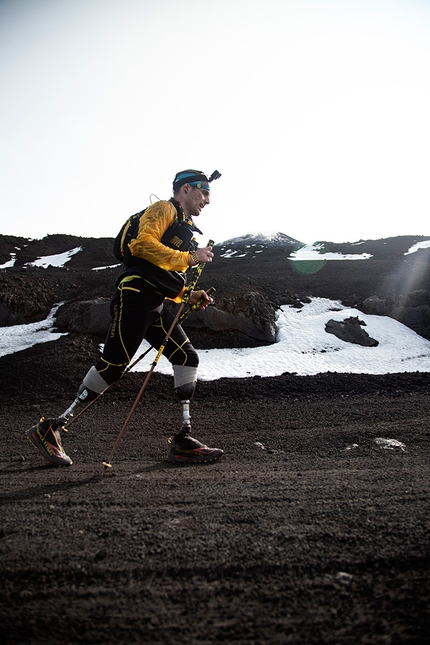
x: 183, y: 447
x: 45, y: 435
x: 185, y: 379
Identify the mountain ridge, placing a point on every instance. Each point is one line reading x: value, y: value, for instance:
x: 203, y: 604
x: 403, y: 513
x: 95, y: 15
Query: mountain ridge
x: 19, y: 251
x: 385, y: 277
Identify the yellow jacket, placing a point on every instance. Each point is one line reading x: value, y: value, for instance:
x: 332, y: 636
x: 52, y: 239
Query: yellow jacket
x: 156, y: 220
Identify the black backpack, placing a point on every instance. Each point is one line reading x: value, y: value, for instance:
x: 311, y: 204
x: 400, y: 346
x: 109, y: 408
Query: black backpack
x: 179, y: 236
x: 127, y: 233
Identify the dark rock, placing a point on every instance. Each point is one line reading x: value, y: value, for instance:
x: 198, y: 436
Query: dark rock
x: 411, y: 309
x: 376, y: 306
x: 85, y: 317
x: 249, y: 320
x: 7, y: 317
x: 351, y: 330
x: 416, y: 318
x: 418, y: 298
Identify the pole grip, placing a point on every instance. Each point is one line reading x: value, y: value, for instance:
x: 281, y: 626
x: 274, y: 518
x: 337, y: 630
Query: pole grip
x: 199, y: 268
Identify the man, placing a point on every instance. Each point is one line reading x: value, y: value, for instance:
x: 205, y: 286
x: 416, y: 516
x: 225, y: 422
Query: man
x: 156, y: 259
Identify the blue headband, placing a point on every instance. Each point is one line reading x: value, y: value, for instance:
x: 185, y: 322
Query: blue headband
x: 195, y: 178
x: 199, y: 184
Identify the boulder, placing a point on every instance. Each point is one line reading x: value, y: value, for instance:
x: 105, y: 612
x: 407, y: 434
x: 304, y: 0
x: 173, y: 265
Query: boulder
x: 418, y: 298
x: 351, y: 330
x: 84, y: 317
x: 416, y: 318
x: 376, y: 306
x: 243, y: 321
x: 8, y: 317
x: 411, y: 309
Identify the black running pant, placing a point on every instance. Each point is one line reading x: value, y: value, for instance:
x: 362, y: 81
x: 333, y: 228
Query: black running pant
x: 137, y: 313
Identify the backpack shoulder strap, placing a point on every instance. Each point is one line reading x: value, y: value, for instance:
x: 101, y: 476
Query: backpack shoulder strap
x: 179, y: 209
x: 181, y: 215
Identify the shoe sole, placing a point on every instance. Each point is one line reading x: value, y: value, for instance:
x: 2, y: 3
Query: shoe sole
x: 193, y: 458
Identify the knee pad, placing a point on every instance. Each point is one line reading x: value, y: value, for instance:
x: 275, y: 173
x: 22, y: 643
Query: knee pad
x: 185, y: 378
x: 93, y: 382
x: 183, y: 374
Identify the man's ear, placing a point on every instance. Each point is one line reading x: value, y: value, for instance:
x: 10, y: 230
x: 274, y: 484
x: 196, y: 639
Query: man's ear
x: 186, y: 188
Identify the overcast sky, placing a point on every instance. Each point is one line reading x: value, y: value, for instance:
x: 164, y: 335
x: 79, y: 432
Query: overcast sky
x: 316, y: 112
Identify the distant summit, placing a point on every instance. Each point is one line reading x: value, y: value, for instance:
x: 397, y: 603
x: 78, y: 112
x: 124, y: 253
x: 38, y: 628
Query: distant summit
x: 268, y: 238
x: 252, y: 244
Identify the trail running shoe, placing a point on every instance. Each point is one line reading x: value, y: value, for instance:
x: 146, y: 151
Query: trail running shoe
x: 45, y: 436
x: 185, y: 449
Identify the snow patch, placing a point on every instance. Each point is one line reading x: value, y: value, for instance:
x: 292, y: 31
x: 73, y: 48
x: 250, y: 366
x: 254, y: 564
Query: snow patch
x: 419, y: 245
x: 58, y: 260
x: 316, y: 252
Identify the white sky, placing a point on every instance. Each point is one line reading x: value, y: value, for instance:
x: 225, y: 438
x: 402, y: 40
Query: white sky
x: 316, y: 112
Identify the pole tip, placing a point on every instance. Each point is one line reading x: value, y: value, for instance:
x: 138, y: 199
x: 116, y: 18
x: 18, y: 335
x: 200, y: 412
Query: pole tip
x: 107, y: 465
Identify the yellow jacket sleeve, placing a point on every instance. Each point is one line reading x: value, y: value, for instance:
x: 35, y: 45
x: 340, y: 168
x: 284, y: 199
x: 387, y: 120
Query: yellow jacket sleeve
x: 154, y: 223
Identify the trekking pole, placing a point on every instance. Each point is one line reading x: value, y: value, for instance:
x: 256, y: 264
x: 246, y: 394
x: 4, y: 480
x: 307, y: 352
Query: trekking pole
x: 185, y: 298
